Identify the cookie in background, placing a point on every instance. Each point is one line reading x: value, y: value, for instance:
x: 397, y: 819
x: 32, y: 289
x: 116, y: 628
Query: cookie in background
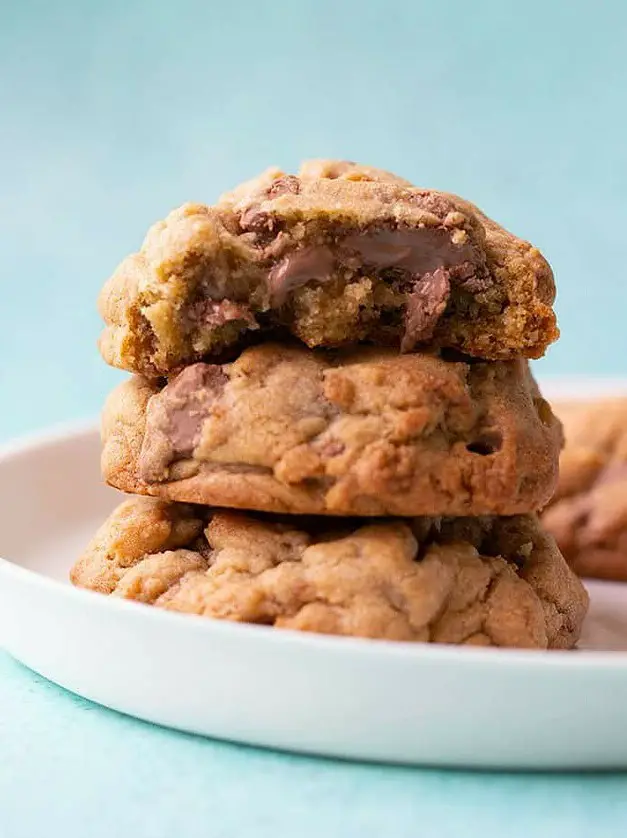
x: 588, y: 513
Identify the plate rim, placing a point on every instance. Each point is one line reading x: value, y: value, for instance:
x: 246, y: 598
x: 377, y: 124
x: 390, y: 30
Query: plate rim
x: 566, y: 659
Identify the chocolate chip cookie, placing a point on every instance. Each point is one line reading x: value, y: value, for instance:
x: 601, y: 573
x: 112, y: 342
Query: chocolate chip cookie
x: 588, y: 514
x: 353, y: 432
x: 337, y: 255
x: 489, y: 582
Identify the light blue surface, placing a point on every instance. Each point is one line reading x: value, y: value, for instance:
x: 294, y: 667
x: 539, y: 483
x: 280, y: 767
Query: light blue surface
x: 111, y: 114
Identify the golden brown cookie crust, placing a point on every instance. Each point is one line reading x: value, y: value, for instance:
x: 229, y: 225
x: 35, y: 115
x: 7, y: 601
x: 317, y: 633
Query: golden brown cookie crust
x: 490, y: 582
x: 337, y: 255
x: 588, y: 514
x: 367, y: 432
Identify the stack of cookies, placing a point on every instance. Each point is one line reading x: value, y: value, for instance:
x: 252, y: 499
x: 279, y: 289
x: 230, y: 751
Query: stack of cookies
x: 333, y: 417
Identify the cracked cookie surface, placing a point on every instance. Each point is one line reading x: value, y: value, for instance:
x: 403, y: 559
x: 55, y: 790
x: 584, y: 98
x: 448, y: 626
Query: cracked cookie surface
x: 477, y: 581
x: 588, y: 514
x: 366, y: 432
x: 337, y: 255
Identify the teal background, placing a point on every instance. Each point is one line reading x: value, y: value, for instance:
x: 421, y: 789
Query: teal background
x: 113, y: 113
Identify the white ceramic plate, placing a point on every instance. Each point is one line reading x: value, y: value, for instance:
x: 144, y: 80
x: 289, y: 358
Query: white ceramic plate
x: 334, y: 696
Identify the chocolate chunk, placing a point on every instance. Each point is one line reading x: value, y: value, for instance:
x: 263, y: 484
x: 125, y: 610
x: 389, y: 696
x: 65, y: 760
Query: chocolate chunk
x: 187, y: 401
x: 433, y: 202
x: 416, y: 251
x: 311, y: 263
x: 175, y: 416
x: 425, y: 305
x: 330, y: 448
x: 217, y: 313
x: 615, y: 472
x: 255, y: 220
x: 474, y: 283
x: 288, y: 183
